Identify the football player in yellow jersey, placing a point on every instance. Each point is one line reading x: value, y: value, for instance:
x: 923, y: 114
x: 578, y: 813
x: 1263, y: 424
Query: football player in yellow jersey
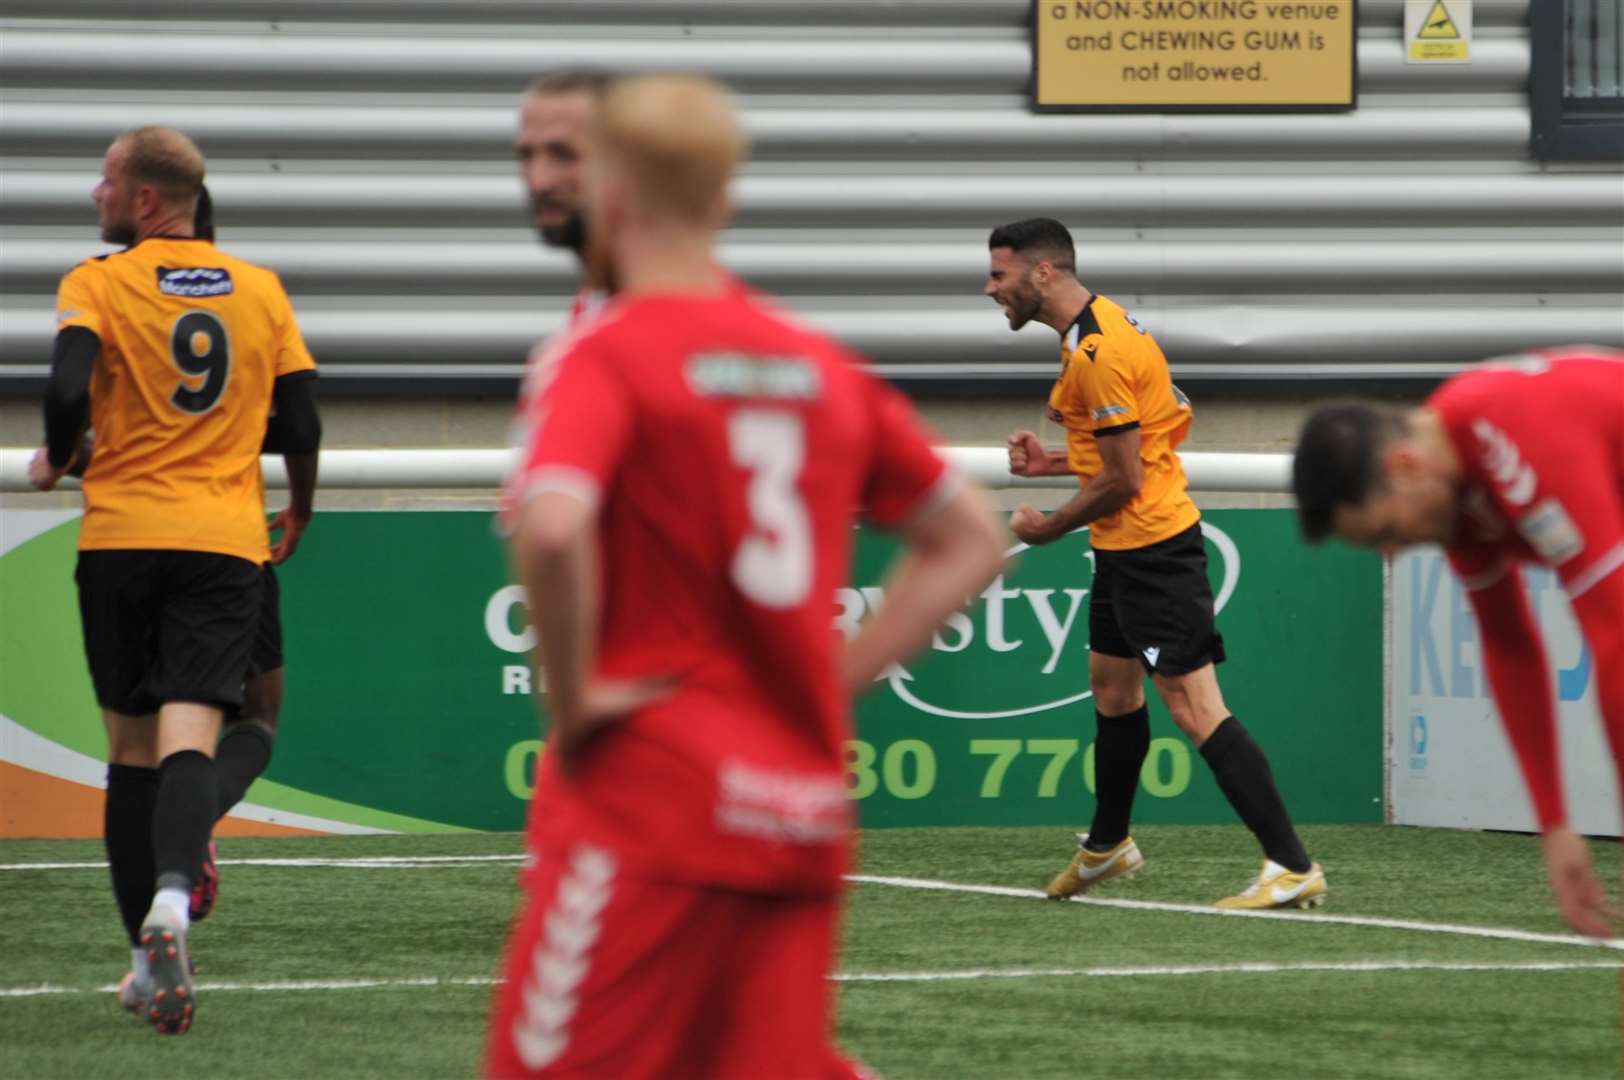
x: 246, y: 745
x: 174, y: 352
x: 1151, y: 608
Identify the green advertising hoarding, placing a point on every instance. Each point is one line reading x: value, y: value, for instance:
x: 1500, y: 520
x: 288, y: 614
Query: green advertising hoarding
x: 410, y: 704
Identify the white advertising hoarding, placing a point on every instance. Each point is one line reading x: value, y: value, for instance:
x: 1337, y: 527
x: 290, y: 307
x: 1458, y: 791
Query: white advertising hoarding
x: 1449, y: 761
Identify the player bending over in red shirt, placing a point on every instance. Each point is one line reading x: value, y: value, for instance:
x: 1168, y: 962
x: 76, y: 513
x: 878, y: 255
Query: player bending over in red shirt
x: 683, y: 518
x: 1519, y: 460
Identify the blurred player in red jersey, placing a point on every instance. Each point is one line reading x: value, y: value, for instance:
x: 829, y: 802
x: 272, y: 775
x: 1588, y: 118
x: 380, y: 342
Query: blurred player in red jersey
x: 683, y: 517
x: 550, y: 148
x: 1520, y: 460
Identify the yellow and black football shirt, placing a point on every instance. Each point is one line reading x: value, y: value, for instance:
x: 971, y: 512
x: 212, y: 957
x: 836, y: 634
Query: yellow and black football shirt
x: 192, y: 340
x: 1113, y: 379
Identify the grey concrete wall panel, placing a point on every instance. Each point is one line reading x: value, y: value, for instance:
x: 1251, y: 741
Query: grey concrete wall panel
x: 362, y: 149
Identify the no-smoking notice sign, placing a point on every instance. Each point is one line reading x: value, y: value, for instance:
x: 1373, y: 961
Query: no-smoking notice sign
x: 1210, y: 55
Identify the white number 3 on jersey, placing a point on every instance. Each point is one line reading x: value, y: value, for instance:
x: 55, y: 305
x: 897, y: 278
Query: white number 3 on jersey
x: 773, y: 563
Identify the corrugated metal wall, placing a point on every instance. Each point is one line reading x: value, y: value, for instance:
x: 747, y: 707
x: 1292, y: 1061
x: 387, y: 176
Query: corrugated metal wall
x: 362, y: 149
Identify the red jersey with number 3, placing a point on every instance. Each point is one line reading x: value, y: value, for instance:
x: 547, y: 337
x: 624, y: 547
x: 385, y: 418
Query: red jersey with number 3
x: 192, y: 340
x: 729, y: 451
x: 1541, y: 441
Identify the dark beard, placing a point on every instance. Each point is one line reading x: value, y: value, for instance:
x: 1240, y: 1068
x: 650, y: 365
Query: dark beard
x: 121, y: 233
x: 569, y: 234
x: 1022, y: 312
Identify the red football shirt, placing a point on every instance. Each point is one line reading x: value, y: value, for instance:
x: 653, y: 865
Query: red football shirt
x: 1541, y: 439
x: 729, y: 451
x: 1541, y: 443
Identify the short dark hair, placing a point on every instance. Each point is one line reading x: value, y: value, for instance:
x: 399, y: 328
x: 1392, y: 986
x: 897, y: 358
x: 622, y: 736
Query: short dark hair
x: 1039, y: 236
x: 573, y: 80
x: 1338, y: 461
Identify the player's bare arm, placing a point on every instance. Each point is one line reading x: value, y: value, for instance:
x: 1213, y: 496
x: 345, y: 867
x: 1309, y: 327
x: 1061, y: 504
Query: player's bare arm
x: 1104, y: 494
x: 67, y: 405
x: 953, y: 551
x: 1574, y: 885
x: 558, y: 565
x: 1029, y: 457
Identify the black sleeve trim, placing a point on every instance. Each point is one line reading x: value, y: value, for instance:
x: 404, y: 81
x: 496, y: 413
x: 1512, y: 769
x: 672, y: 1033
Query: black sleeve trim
x: 294, y: 426
x: 67, y: 392
x: 1116, y: 429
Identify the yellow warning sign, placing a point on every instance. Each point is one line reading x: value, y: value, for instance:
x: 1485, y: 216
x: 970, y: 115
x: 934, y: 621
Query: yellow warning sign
x: 1438, y: 24
x: 1438, y: 31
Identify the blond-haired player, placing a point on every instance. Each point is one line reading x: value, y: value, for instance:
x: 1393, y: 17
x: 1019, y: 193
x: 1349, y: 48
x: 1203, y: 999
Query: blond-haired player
x: 682, y: 518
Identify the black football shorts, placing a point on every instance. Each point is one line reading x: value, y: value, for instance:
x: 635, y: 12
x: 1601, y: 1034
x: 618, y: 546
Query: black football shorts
x: 163, y: 625
x: 1154, y: 604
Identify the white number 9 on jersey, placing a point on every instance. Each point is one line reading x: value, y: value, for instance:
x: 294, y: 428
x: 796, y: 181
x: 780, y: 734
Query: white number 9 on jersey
x: 773, y: 563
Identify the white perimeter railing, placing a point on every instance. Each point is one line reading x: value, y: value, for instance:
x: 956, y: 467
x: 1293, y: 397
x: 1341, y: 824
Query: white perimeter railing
x: 443, y: 468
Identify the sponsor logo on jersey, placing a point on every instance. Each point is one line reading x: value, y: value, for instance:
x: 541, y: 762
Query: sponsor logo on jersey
x: 194, y: 281
x: 1551, y: 532
x: 1528, y: 363
x: 1502, y: 460
x: 741, y: 375
x: 1105, y: 412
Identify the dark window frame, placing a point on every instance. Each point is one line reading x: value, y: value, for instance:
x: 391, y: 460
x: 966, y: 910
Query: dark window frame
x: 1564, y: 128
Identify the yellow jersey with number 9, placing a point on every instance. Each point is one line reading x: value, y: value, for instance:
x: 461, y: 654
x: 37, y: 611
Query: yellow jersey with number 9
x: 1113, y: 379
x: 192, y: 340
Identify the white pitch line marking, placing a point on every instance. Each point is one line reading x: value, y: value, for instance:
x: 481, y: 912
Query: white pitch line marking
x: 1317, y: 918
x: 1218, y: 969
x: 1302, y: 919
x: 360, y: 862
x: 1356, y: 966
x: 287, y: 986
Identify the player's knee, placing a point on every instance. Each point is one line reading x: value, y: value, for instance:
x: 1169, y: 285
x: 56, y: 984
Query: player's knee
x: 262, y: 700
x: 131, y: 740
x: 1116, y: 692
x: 1180, y: 710
x: 1196, y: 724
x: 262, y: 716
x: 1193, y: 701
x: 136, y: 753
x: 265, y: 729
x: 1118, y: 701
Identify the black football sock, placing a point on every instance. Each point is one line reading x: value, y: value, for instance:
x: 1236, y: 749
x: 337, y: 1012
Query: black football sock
x: 183, y: 818
x: 132, y: 792
x: 239, y: 759
x: 1119, y: 754
x: 1243, y: 773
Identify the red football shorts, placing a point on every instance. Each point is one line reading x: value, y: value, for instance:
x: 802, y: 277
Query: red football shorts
x: 612, y: 976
